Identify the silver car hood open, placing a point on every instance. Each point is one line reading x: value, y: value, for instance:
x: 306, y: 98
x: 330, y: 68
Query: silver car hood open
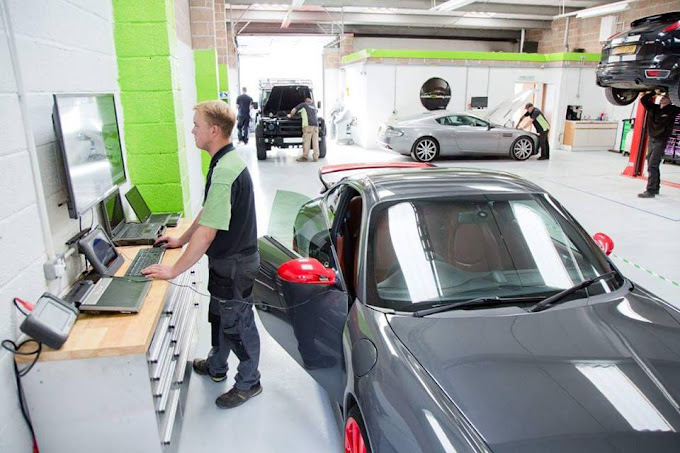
x: 597, y: 378
x: 502, y: 113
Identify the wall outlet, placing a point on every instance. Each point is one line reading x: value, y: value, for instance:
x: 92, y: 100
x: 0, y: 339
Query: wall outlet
x: 54, y: 269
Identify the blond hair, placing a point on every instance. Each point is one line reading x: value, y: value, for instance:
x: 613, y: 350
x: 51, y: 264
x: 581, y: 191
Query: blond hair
x: 218, y: 113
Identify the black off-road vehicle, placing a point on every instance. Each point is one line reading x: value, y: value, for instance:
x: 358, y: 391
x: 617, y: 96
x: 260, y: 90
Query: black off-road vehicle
x: 274, y: 128
x: 646, y: 57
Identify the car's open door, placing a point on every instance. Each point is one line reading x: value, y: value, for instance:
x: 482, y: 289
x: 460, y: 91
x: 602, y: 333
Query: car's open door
x: 302, y: 302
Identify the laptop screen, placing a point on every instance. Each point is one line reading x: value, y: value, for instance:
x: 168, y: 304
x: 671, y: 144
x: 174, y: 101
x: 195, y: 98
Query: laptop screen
x: 138, y: 204
x: 114, y: 211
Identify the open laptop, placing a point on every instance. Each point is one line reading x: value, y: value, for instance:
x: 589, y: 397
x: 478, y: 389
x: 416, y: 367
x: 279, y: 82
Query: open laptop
x: 121, y: 295
x: 127, y: 233
x: 134, y: 197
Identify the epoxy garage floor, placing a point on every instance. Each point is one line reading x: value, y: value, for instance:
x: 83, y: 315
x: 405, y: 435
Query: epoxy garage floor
x: 293, y: 412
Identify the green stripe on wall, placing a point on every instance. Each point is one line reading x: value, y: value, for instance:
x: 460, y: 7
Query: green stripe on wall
x: 223, y: 81
x: 462, y: 55
x: 207, y: 85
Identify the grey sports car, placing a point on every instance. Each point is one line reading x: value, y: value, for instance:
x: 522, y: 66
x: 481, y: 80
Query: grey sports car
x: 454, y: 310
x: 428, y: 135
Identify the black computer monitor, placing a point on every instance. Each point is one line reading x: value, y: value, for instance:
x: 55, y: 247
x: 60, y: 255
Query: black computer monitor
x: 86, y: 126
x: 479, y: 102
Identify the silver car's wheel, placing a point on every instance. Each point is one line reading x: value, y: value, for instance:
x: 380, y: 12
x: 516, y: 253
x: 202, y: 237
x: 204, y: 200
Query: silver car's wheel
x: 522, y: 148
x: 425, y: 149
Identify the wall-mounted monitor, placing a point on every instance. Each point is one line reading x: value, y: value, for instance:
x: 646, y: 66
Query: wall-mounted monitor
x: 480, y: 102
x: 86, y: 126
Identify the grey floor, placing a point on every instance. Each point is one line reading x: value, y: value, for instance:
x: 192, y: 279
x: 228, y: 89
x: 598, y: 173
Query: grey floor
x: 293, y: 413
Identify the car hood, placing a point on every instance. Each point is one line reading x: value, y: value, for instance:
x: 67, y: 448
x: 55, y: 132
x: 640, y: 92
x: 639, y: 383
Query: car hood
x: 600, y: 377
x: 503, y: 112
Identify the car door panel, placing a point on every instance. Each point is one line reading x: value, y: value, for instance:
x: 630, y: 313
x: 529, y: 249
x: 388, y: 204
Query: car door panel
x: 305, y: 319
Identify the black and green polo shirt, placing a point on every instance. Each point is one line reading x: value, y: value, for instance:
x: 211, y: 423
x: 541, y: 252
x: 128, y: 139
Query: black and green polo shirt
x: 229, y: 205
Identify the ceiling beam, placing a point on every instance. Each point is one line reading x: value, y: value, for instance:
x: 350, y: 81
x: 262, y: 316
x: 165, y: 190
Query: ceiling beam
x: 456, y: 19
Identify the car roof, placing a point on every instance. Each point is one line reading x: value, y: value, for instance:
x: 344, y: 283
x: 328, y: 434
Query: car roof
x: 388, y: 185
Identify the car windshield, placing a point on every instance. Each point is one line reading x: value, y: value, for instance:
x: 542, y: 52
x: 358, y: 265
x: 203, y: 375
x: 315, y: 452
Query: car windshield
x: 425, y: 252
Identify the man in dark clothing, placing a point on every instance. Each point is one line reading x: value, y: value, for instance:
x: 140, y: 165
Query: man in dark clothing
x: 226, y: 231
x: 310, y: 128
x: 542, y: 128
x: 660, y: 120
x: 244, y: 102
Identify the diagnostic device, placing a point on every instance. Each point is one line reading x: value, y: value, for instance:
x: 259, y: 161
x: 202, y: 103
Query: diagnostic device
x: 51, y: 320
x: 98, y: 248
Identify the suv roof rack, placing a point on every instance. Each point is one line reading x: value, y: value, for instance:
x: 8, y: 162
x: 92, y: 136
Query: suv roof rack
x: 268, y: 83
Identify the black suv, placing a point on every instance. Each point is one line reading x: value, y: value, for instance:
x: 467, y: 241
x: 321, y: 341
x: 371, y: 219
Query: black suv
x: 646, y: 57
x: 274, y: 128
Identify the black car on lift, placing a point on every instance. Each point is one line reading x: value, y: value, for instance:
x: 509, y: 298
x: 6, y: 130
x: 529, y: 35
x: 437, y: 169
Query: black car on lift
x: 274, y: 128
x: 646, y: 57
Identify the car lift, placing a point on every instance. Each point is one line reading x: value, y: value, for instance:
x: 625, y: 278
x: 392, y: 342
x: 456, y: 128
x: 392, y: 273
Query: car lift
x: 638, y: 148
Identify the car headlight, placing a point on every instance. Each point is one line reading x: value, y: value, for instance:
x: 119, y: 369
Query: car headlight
x: 392, y: 132
x: 271, y: 126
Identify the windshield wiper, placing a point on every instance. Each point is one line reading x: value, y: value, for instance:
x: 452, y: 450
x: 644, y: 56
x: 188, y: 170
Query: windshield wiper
x: 555, y: 298
x: 475, y: 302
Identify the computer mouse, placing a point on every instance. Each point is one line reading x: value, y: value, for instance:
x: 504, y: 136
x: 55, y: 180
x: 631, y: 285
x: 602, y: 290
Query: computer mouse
x: 159, y: 244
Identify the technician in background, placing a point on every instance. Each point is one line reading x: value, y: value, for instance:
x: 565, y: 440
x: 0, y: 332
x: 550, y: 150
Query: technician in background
x: 244, y: 102
x: 310, y: 128
x: 660, y: 121
x: 542, y: 128
x: 226, y: 231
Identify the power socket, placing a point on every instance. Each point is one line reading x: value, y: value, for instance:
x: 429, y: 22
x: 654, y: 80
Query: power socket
x: 54, y: 269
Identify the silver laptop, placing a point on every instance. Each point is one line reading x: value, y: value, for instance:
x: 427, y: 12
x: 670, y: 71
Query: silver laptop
x: 124, y: 233
x: 134, y: 197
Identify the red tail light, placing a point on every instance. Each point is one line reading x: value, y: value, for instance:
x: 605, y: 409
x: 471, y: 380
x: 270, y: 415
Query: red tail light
x: 652, y: 73
x: 672, y: 27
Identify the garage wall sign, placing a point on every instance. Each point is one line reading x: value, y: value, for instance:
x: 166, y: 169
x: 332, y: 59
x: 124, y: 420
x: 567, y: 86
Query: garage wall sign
x: 435, y: 94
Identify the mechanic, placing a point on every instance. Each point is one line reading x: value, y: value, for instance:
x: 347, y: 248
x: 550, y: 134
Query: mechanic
x: 244, y: 102
x: 542, y: 128
x: 225, y: 230
x: 310, y: 128
x: 660, y: 121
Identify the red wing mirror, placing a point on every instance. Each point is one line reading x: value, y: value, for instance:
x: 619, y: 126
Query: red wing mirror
x: 605, y: 242
x: 306, y: 270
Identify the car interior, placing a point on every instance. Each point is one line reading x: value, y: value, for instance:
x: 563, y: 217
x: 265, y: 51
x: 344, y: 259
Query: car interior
x: 346, y: 234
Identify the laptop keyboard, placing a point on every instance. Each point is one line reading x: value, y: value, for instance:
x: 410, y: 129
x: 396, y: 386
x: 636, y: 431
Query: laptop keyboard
x: 158, y: 218
x: 136, y: 230
x: 144, y: 258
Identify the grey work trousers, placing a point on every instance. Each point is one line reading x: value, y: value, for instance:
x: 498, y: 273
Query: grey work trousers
x: 655, y: 150
x: 232, y: 318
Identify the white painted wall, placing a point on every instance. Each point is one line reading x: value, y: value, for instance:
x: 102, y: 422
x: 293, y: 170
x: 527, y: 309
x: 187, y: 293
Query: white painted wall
x: 187, y: 84
x: 62, y: 46
x: 393, y: 90
x: 361, y: 43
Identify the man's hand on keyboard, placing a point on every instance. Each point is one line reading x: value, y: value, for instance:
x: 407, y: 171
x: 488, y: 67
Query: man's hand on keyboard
x: 170, y: 242
x: 160, y: 271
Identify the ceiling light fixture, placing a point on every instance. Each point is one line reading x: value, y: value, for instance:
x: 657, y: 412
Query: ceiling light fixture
x: 596, y: 11
x: 452, y: 4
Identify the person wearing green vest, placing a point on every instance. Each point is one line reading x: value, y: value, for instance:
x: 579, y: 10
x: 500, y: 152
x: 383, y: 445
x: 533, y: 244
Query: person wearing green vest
x: 542, y: 128
x: 310, y: 128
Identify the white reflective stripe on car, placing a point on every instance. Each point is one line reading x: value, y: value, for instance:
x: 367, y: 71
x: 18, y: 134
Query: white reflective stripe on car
x: 633, y: 38
x: 628, y: 57
x: 614, y: 58
x: 292, y: 140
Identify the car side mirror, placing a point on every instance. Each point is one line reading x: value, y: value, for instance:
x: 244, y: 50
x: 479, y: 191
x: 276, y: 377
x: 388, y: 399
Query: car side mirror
x: 604, y: 242
x: 256, y: 106
x: 307, y: 271
x: 489, y: 127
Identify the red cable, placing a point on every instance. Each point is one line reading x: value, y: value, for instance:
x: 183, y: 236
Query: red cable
x: 29, y: 306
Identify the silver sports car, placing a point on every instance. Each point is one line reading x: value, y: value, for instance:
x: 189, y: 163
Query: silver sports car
x: 428, y: 135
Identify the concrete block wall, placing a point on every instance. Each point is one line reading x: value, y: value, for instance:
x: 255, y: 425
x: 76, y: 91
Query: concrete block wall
x: 146, y: 44
x: 62, y: 47
x: 585, y: 33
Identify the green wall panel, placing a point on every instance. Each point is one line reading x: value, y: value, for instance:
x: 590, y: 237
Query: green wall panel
x: 223, y: 74
x: 207, y: 85
x: 462, y: 55
x: 146, y: 48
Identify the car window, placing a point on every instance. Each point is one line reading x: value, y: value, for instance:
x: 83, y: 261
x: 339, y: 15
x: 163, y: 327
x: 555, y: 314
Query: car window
x: 477, y: 122
x: 453, y: 120
x: 444, y: 121
x: 284, y: 211
x: 429, y: 251
x: 332, y: 201
x: 311, y: 234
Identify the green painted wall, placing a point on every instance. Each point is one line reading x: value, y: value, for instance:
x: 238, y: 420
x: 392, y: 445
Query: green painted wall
x: 207, y: 85
x: 146, y: 49
x: 223, y: 72
x: 462, y: 55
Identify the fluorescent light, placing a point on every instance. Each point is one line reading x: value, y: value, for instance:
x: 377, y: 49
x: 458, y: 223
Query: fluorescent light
x: 603, y: 10
x: 452, y: 4
x: 297, y: 3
